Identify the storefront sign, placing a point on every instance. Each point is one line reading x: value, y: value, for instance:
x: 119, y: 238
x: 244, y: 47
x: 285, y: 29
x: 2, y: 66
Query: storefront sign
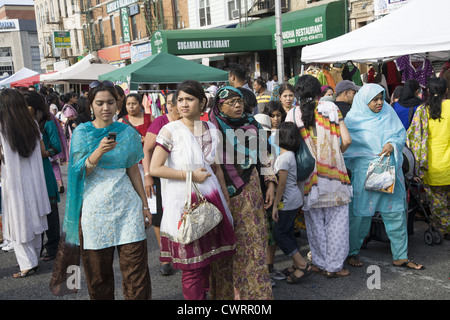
x: 140, y: 51
x: 206, y: 41
x: 307, y: 26
x: 299, y: 36
x: 62, y: 39
x: 205, y: 44
x: 116, y: 53
x: 9, y: 25
x: 382, y: 7
x: 125, y: 24
x: 117, y: 4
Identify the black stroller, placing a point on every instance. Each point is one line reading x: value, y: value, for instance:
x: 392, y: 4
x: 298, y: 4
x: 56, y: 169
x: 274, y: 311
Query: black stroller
x: 418, y: 208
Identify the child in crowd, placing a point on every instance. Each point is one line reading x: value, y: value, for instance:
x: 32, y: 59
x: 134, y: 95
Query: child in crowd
x: 289, y: 199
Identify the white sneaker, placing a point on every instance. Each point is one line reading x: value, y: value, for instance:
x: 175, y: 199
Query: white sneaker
x: 8, y: 248
x: 277, y: 275
x: 4, y: 243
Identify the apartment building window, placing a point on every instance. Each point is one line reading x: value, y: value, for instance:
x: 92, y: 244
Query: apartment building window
x: 113, y: 29
x: 100, y: 32
x: 6, y: 62
x: 52, y: 12
x: 204, y: 13
x: 134, y: 29
x: 35, y: 59
x: 38, y: 16
x: 233, y: 9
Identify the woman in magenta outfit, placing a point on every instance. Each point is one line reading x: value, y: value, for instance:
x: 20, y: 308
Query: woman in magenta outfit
x: 190, y: 145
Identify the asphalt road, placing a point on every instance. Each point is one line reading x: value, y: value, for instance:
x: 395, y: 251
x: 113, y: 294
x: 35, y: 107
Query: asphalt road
x: 376, y: 280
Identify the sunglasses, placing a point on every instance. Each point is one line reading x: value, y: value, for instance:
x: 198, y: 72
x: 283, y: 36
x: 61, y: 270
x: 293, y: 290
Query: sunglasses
x: 96, y: 84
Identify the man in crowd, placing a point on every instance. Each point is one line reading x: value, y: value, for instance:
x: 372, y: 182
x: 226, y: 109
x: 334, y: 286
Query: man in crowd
x: 261, y: 93
x: 345, y: 92
x: 236, y: 76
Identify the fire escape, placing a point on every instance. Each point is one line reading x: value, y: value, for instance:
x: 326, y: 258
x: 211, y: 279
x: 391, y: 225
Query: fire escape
x: 266, y: 8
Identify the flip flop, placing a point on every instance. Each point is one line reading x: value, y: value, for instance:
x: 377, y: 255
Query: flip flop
x: 337, y: 274
x: 24, y: 274
x: 406, y: 265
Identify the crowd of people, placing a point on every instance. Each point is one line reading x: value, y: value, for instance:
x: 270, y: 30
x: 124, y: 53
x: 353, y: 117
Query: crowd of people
x: 238, y: 145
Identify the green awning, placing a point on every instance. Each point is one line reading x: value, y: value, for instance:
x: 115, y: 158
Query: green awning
x: 300, y: 27
x: 196, y: 41
x: 307, y: 26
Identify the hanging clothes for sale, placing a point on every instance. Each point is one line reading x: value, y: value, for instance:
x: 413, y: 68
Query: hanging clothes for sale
x: 336, y: 73
x: 419, y: 69
x: 154, y: 102
x: 392, y: 75
x: 372, y: 76
x: 352, y: 73
x: 329, y: 78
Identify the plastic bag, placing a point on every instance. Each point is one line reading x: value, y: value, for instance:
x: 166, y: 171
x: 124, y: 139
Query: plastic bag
x: 380, y: 176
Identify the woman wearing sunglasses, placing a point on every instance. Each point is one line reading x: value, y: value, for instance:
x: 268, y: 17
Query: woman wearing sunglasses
x: 106, y: 206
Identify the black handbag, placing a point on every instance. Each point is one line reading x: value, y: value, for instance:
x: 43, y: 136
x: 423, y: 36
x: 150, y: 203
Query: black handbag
x: 305, y: 160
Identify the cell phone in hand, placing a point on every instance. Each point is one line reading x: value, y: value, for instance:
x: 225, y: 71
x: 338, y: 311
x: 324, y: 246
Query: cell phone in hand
x: 112, y: 136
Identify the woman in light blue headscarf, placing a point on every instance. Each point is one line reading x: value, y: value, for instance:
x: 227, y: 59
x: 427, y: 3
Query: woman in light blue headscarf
x: 376, y: 129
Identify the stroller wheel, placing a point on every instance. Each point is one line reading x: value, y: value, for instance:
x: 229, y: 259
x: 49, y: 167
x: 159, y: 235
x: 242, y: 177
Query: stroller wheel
x: 437, y: 236
x: 428, y: 236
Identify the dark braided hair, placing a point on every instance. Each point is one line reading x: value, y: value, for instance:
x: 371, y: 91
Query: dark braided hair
x: 307, y: 90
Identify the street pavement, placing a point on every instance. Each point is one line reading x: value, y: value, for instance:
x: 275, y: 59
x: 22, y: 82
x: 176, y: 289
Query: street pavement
x: 376, y: 280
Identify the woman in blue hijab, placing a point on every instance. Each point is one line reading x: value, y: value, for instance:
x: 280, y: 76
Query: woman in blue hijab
x: 375, y: 129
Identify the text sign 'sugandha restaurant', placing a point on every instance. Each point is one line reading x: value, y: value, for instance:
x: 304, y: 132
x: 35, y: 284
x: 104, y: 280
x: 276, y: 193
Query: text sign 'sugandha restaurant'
x: 253, y: 45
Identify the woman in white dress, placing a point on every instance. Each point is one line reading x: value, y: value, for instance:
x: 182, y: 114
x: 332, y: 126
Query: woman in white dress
x: 25, y: 201
x: 190, y: 145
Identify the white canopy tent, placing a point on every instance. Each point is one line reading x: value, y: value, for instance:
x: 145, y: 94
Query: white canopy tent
x: 19, y: 75
x: 84, y: 71
x: 419, y: 27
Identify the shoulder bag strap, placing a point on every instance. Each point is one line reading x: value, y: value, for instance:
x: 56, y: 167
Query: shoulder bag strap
x: 130, y: 124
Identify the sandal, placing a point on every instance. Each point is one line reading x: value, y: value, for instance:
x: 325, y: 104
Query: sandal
x: 317, y: 270
x: 354, y: 261
x: 338, y: 274
x: 24, y: 274
x: 287, y: 271
x: 293, y: 279
x: 407, y: 264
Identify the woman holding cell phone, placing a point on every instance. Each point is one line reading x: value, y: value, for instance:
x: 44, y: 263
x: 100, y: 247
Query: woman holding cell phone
x: 106, y: 206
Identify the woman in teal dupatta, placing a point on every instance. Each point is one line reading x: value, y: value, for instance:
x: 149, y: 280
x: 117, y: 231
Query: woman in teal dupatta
x: 106, y: 206
x: 375, y: 129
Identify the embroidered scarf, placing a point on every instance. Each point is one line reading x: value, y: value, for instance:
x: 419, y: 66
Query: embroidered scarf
x: 330, y: 174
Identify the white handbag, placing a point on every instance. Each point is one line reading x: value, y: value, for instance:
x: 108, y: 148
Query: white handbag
x: 197, y: 218
x: 380, y: 176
